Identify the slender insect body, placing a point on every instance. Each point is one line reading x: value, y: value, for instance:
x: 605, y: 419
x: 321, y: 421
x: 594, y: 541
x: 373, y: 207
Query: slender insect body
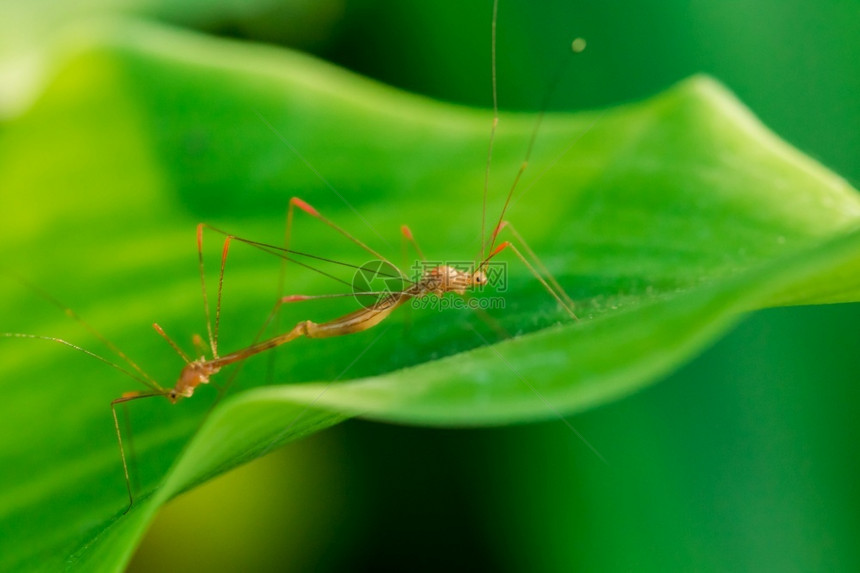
x: 438, y: 281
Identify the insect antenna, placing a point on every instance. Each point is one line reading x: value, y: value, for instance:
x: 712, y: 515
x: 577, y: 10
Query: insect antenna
x: 577, y: 46
x: 145, y: 381
x: 495, y: 122
x: 141, y: 375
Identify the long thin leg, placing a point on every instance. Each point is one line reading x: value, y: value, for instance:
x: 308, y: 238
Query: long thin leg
x: 224, y: 252
x: 409, y: 238
x: 126, y: 398
x: 122, y: 453
x: 495, y: 124
x: 549, y: 276
x: 296, y: 202
x: 212, y: 343
x: 274, y: 316
x: 129, y: 436
x: 213, y: 332
x: 537, y: 275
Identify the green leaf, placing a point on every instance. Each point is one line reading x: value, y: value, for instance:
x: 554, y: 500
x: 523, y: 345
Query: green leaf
x: 665, y: 221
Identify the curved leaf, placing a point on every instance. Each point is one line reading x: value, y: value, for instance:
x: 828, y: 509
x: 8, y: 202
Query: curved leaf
x: 665, y: 221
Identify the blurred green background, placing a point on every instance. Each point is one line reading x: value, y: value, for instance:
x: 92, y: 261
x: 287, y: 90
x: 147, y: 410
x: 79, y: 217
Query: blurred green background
x: 745, y: 459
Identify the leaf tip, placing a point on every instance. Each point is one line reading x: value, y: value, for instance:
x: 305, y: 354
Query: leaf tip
x: 704, y: 86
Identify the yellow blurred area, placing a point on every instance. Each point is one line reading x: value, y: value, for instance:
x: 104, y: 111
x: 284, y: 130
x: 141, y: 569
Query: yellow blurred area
x: 274, y: 514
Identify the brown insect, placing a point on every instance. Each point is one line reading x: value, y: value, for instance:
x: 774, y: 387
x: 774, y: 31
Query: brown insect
x: 437, y: 281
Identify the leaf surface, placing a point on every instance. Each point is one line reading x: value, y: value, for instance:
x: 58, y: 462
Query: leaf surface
x: 665, y: 221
